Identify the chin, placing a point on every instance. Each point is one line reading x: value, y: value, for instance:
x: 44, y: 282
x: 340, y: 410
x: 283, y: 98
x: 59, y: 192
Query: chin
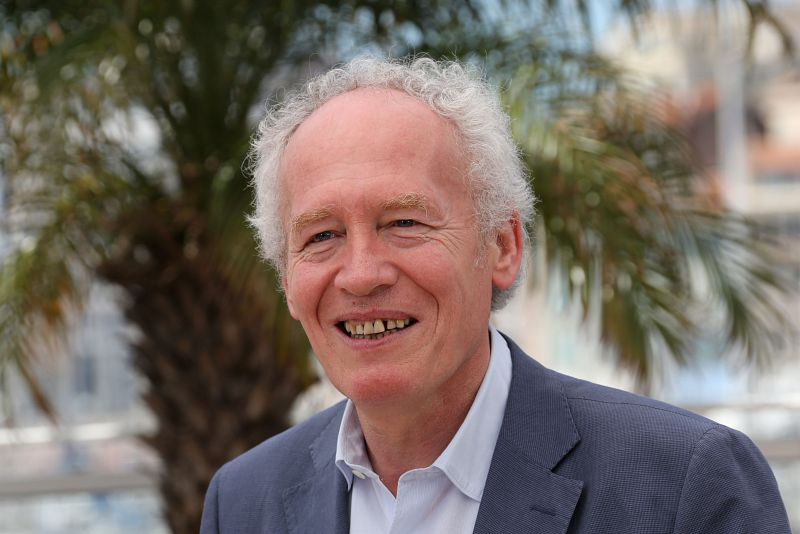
x: 378, y: 389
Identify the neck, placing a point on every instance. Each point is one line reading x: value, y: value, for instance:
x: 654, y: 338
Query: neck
x: 411, y: 435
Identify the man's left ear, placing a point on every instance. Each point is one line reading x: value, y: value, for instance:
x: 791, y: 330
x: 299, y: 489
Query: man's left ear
x: 509, y: 253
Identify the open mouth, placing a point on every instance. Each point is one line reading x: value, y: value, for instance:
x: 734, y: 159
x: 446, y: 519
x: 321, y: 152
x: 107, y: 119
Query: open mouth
x: 376, y: 329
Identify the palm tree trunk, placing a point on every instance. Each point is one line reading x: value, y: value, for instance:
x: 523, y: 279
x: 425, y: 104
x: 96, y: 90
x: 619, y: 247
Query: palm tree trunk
x: 223, y: 365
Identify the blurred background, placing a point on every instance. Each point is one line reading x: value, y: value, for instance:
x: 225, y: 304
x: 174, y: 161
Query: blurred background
x: 142, y: 342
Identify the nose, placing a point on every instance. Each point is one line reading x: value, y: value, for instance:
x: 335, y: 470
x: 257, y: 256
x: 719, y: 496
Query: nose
x: 366, y: 267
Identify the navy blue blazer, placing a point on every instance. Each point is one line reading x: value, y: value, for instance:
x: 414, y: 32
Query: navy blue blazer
x: 571, y: 456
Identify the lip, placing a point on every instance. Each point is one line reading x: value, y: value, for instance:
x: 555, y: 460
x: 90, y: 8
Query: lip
x: 369, y: 344
x: 372, y: 315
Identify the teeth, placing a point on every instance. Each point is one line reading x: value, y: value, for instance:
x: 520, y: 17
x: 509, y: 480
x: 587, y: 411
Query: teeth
x: 375, y: 328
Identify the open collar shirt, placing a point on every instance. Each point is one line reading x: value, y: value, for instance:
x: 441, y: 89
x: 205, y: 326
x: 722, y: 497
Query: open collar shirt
x: 445, y: 496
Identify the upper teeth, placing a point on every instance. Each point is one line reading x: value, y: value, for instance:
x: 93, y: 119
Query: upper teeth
x: 374, y: 327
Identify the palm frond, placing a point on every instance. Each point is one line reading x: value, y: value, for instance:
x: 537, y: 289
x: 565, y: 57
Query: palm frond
x: 617, y: 197
x: 42, y: 289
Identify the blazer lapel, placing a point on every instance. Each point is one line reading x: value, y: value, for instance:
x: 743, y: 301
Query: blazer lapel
x: 322, y: 502
x: 522, y: 493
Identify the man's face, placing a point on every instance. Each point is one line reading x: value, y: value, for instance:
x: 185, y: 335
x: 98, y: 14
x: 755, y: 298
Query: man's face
x: 381, y: 232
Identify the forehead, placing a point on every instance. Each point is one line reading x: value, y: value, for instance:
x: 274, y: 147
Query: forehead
x: 380, y: 118
x: 366, y: 136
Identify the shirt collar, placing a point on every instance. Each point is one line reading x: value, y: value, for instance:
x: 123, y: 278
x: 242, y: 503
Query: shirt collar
x: 466, y: 459
x: 351, y: 453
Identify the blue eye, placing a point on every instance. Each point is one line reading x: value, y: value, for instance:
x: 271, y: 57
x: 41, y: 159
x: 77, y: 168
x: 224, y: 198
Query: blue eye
x: 322, y: 236
x: 405, y: 223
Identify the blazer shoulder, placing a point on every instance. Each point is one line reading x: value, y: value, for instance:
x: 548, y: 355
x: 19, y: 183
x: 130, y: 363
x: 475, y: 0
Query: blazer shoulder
x: 602, y: 402
x: 710, y: 477
x: 286, y: 457
x: 246, y: 494
x: 602, y: 411
x: 645, y: 465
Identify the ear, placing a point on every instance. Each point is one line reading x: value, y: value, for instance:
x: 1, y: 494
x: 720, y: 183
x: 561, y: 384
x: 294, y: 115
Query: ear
x: 509, y: 253
x: 288, y: 294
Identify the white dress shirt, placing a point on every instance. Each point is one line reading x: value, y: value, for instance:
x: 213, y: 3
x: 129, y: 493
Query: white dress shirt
x: 445, y: 496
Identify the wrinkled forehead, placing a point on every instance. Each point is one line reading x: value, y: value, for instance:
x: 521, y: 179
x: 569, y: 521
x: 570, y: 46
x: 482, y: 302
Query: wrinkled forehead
x: 361, y: 117
x: 368, y: 122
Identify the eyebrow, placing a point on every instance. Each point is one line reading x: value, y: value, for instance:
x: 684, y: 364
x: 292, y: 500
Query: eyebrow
x: 400, y: 202
x: 407, y: 201
x: 310, y: 217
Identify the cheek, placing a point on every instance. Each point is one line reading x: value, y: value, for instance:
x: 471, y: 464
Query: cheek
x: 304, y: 289
x: 456, y: 283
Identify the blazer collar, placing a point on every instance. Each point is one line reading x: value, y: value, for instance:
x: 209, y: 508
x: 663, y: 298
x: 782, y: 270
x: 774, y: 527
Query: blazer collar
x: 322, y: 502
x: 522, y: 492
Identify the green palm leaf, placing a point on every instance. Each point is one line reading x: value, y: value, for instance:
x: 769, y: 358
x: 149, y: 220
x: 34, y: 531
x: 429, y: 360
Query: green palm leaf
x: 618, y: 208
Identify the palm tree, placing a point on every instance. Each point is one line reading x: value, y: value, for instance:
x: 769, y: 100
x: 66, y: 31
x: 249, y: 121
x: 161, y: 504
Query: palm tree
x: 123, y: 130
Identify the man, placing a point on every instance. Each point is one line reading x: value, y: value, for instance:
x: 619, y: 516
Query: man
x: 391, y: 199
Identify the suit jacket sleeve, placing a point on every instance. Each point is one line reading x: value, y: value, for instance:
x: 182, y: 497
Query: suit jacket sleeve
x: 729, y: 488
x: 209, y: 524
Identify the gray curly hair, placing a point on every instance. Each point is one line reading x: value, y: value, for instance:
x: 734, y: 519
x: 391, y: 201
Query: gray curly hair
x: 495, y: 174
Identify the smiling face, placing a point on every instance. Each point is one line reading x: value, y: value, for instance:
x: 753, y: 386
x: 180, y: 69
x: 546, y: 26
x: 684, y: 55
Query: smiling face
x: 385, y: 268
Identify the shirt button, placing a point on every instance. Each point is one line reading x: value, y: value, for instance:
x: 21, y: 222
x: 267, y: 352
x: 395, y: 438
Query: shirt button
x: 359, y: 474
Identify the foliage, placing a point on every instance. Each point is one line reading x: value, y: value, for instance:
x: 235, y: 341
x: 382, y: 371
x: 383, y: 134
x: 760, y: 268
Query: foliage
x: 623, y: 225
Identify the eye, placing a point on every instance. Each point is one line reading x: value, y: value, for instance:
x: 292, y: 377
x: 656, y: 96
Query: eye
x: 322, y: 236
x: 405, y: 223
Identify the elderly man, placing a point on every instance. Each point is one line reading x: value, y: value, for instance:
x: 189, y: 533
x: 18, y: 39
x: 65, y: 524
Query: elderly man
x: 391, y: 199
